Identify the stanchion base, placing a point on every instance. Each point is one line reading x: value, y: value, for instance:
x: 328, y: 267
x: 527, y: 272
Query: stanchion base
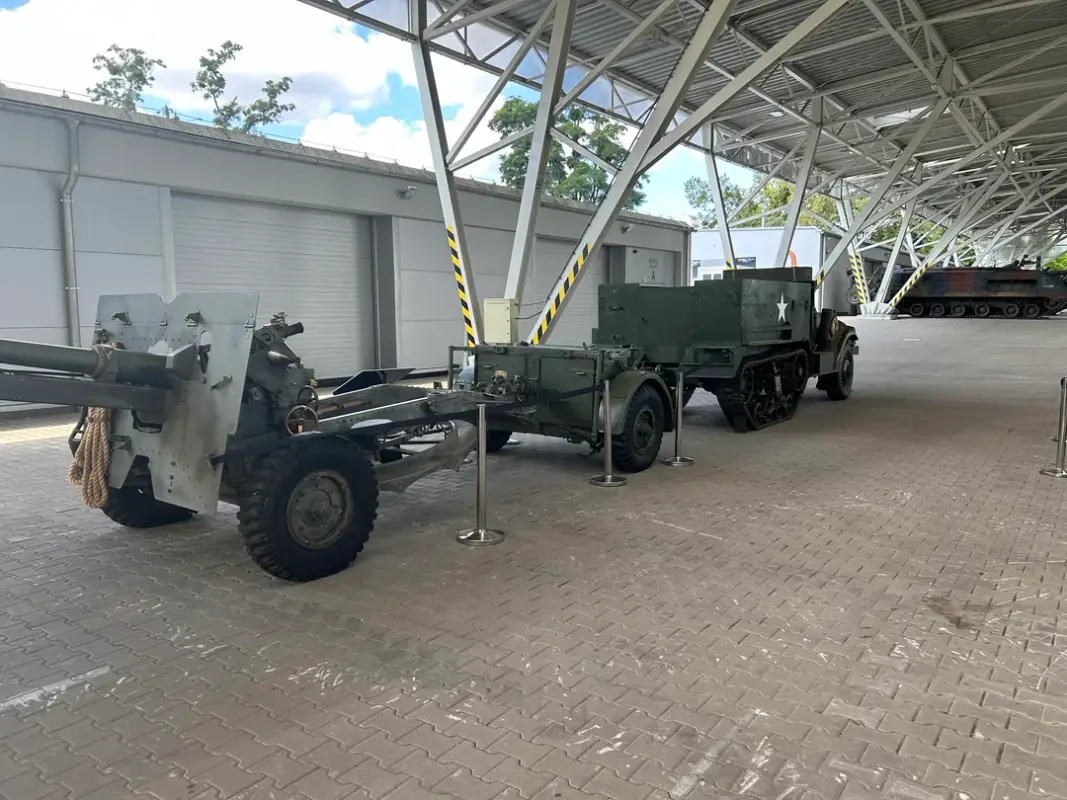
x: 607, y: 480
x: 1054, y: 472
x: 480, y: 537
x: 677, y: 461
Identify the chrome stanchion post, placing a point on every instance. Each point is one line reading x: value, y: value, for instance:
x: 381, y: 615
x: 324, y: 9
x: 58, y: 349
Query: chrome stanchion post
x: 1059, y: 470
x: 607, y: 478
x: 678, y: 460
x: 481, y: 535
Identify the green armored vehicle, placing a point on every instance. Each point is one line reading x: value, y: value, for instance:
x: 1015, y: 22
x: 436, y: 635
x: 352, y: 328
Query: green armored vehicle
x: 753, y: 339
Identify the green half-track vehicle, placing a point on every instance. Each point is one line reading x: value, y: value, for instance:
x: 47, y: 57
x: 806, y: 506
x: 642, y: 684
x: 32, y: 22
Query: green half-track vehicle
x: 753, y: 339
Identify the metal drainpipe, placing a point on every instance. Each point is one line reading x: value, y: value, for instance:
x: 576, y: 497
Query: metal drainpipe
x: 70, y: 268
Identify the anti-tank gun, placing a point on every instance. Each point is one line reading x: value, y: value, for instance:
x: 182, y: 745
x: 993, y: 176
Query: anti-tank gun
x: 187, y: 403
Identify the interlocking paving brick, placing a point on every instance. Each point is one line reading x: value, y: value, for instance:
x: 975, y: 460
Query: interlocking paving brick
x: 862, y: 602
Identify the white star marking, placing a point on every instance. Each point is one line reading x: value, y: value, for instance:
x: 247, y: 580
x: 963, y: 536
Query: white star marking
x: 782, y: 306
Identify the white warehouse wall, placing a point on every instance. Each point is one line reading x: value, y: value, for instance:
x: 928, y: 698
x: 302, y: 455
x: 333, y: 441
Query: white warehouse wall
x: 132, y: 166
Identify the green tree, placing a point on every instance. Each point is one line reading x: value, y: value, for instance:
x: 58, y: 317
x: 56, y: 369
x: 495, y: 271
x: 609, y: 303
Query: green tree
x: 1058, y: 264
x: 698, y: 193
x: 568, y: 174
x: 129, y: 72
x: 231, y: 114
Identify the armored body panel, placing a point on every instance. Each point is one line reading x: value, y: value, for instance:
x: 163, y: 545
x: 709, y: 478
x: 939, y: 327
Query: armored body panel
x: 712, y: 323
x: 983, y: 292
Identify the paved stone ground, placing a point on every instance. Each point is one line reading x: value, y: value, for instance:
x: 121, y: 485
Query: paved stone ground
x: 864, y: 602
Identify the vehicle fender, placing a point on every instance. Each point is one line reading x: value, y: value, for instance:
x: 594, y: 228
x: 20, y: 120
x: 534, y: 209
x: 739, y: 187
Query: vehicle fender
x: 623, y: 388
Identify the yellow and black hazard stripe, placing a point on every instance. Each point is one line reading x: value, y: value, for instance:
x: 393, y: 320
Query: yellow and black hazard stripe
x: 729, y: 264
x: 461, y: 287
x: 856, y: 265
x: 908, y: 284
x: 557, y: 301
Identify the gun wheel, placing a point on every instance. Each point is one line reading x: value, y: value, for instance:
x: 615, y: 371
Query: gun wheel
x: 636, y: 448
x: 308, y: 509
x: 137, y: 507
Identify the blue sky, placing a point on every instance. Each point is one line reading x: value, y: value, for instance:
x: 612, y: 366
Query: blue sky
x: 354, y: 88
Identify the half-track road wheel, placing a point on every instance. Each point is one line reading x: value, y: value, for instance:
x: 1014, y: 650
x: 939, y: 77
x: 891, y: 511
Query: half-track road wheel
x: 957, y: 310
x: 1031, y: 311
x: 496, y: 439
x: 916, y: 309
x: 1010, y: 310
x: 839, y: 384
x: 765, y: 390
x: 982, y: 310
x: 937, y: 309
x: 636, y: 448
x: 137, y: 507
x: 308, y: 509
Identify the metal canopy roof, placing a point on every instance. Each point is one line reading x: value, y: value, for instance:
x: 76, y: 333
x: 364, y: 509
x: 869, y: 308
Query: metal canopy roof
x: 875, y: 63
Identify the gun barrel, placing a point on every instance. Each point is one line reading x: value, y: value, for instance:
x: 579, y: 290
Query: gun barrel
x: 60, y: 358
x: 99, y: 362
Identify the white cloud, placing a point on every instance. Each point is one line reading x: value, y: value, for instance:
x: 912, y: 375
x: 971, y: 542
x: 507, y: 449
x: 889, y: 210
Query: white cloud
x: 407, y: 142
x: 51, y: 44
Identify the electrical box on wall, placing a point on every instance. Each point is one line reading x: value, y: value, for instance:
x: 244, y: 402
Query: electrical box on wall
x: 500, y: 320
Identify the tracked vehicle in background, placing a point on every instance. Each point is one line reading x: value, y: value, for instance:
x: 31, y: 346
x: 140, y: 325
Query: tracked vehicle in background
x: 1008, y: 292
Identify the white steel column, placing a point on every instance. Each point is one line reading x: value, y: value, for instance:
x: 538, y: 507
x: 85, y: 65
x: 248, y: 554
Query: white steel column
x: 653, y: 142
x: 906, y: 214
x: 722, y: 221
x: 662, y: 112
x: 879, y: 194
x: 540, y: 147
x: 966, y: 217
x: 446, y: 182
x: 800, y: 186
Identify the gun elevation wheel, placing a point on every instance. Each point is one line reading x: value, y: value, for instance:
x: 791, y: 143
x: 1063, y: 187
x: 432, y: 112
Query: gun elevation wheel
x: 137, y: 507
x: 636, y: 448
x: 308, y: 509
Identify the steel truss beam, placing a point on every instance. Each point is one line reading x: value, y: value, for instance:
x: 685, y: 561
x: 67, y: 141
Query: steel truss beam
x: 653, y: 141
x: 800, y: 187
x: 722, y: 221
x: 446, y: 180
x: 540, y: 147
x: 949, y: 238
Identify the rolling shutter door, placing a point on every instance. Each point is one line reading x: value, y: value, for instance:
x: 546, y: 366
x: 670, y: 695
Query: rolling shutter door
x: 313, y: 265
x: 575, y: 325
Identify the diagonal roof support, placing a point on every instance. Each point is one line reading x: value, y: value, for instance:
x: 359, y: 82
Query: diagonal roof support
x: 662, y: 113
x: 540, y: 148
x: 715, y: 187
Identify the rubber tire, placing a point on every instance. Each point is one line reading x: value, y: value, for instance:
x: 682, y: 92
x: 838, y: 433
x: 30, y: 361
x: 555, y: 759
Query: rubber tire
x: 1014, y: 306
x: 495, y: 440
x: 836, y: 387
x: 262, y: 509
x: 136, y: 507
x: 687, y: 393
x: 623, y: 455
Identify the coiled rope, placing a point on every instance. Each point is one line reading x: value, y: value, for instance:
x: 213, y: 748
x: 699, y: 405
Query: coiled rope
x: 92, y: 459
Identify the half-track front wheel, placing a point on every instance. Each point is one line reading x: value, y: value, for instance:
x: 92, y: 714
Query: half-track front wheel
x: 308, y: 509
x: 636, y: 448
x: 838, y: 385
x: 137, y: 507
